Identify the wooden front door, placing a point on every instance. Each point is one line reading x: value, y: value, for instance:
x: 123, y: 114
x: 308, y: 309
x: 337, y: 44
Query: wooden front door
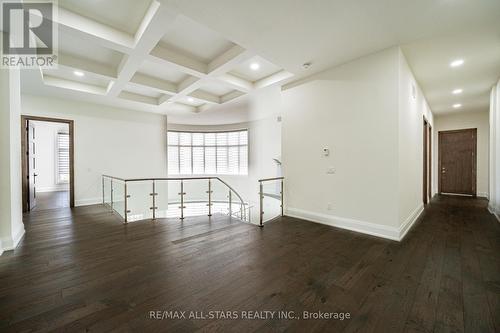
x: 32, y: 165
x: 457, y: 161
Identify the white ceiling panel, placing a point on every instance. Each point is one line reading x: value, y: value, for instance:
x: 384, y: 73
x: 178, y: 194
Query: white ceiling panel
x: 69, y: 74
x: 86, y: 49
x: 123, y: 15
x: 265, y: 69
x: 195, y: 40
x: 162, y: 72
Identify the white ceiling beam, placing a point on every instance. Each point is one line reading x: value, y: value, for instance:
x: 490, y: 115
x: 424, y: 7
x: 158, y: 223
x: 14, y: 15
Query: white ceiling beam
x: 94, y: 31
x: 272, y: 79
x: 164, y: 56
x: 187, y: 87
x: 72, y: 85
x: 138, y: 98
x: 87, y: 66
x: 203, y: 107
x: 156, y: 23
x: 205, y: 96
x: 236, y: 82
x: 228, y: 60
x: 154, y: 83
x: 230, y: 96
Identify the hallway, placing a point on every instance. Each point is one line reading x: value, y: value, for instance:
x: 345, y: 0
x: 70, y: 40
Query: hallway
x: 52, y: 200
x: 82, y: 269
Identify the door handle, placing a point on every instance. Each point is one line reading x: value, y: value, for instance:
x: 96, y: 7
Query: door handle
x: 35, y: 175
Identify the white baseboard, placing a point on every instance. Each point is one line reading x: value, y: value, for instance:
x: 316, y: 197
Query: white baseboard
x: 495, y: 211
x: 482, y: 195
x: 368, y: 228
x: 364, y: 227
x: 9, y: 244
x: 410, y: 221
x: 88, y: 201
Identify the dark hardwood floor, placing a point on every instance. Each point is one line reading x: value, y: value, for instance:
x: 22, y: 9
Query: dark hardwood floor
x: 51, y: 200
x: 82, y: 270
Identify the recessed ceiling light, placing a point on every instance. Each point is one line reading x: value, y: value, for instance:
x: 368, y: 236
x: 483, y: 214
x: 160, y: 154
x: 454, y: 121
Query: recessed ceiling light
x: 456, y: 106
x: 457, y: 91
x: 254, y: 66
x: 190, y: 99
x: 78, y: 73
x: 457, y: 63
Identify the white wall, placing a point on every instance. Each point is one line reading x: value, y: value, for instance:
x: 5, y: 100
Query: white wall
x: 455, y: 121
x: 494, y: 151
x: 365, y: 113
x: 412, y: 108
x: 108, y: 140
x: 46, y: 155
x: 11, y: 224
x: 352, y: 110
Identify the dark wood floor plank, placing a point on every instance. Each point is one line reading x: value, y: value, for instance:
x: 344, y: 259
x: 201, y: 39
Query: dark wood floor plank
x: 83, y: 270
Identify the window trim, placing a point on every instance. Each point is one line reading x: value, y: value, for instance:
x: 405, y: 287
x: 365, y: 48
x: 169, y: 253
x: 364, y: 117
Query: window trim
x: 205, y: 131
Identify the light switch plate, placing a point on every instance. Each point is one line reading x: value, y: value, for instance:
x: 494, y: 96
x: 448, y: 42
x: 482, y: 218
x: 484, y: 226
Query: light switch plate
x: 330, y: 171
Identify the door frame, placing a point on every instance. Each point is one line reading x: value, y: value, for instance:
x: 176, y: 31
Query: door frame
x: 474, y: 160
x: 24, y: 165
x: 425, y: 161
x: 429, y: 143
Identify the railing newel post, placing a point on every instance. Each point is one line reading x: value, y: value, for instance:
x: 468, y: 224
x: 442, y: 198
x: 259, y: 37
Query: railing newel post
x: 282, y: 194
x: 261, y: 204
x: 209, y: 197
x: 126, y: 203
x: 182, y: 199
x: 103, y: 192
x: 111, y: 191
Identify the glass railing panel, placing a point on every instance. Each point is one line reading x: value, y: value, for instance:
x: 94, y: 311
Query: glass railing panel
x: 196, y: 197
x: 106, y: 191
x: 236, y: 208
x: 220, y: 197
x: 140, y: 200
x: 162, y: 198
x: 119, y: 197
x: 271, y: 199
x: 173, y: 199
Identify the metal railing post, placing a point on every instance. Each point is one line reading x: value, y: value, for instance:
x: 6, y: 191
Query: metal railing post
x: 209, y: 197
x: 281, y: 194
x: 154, y: 200
x: 230, y: 204
x: 126, y: 203
x: 103, y: 192
x: 111, y: 191
x: 182, y: 200
x: 261, y: 204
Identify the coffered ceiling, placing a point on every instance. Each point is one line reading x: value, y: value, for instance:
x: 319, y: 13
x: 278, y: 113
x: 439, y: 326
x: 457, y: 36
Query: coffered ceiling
x: 141, y: 51
x: 183, y: 57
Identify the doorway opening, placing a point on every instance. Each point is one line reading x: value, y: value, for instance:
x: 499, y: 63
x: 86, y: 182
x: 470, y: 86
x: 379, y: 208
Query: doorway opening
x: 427, y: 162
x: 457, y: 162
x: 47, y: 163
